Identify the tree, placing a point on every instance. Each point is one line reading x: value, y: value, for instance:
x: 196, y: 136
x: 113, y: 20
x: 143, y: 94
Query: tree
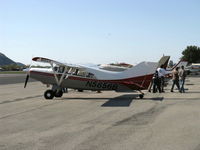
x: 191, y: 54
x: 11, y: 67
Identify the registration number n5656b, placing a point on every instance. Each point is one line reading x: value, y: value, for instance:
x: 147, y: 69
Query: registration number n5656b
x: 102, y: 85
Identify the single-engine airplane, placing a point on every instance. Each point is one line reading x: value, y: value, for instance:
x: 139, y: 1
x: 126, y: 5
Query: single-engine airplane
x: 63, y: 76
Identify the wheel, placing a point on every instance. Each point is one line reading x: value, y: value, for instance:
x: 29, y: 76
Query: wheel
x: 59, y: 94
x: 141, y: 96
x: 49, y: 94
x: 79, y: 90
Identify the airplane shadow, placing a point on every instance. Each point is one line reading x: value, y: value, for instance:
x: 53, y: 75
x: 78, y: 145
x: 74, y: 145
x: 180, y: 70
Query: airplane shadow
x: 120, y: 101
x: 126, y: 100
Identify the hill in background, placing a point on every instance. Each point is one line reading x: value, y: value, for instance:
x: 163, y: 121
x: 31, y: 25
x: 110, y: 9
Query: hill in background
x: 7, y: 62
x: 4, y: 60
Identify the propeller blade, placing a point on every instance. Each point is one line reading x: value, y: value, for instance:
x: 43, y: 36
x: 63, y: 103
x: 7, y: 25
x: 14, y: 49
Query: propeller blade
x: 26, y: 81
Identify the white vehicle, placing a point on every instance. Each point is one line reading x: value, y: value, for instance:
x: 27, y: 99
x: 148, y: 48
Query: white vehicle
x: 193, y: 69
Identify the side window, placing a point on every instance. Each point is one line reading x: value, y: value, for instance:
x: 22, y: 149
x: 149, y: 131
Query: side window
x: 81, y: 73
x: 61, y: 69
x: 90, y: 75
x: 76, y: 72
x: 55, y: 69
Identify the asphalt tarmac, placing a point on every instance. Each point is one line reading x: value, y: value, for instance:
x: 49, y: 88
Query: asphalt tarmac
x: 99, y: 121
x: 13, y: 78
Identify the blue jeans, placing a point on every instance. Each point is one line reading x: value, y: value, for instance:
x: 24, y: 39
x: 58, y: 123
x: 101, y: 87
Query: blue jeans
x: 182, y: 83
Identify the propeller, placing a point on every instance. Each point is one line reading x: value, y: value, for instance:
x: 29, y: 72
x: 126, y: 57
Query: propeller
x: 28, y: 74
x: 26, y: 81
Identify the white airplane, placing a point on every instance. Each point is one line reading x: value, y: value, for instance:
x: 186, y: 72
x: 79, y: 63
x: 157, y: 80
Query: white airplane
x: 63, y: 76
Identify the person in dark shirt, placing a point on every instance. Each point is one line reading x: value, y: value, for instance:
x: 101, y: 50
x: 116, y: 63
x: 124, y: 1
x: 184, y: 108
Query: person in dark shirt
x: 182, y: 75
x: 156, y: 83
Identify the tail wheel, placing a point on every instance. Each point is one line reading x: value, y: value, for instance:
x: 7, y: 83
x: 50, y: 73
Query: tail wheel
x: 49, y: 94
x: 141, y: 96
x: 59, y: 94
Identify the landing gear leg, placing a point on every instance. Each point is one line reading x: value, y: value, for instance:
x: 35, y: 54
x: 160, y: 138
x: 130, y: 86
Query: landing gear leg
x: 59, y: 93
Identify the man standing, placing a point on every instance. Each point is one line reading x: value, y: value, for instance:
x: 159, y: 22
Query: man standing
x: 156, y: 83
x: 161, y: 75
x: 182, y: 75
x: 175, y: 79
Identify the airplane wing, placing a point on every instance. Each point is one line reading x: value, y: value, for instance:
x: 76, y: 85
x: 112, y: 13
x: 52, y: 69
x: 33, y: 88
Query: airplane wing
x: 59, y: 64
x: 46, y: 60
x: 50, y: 61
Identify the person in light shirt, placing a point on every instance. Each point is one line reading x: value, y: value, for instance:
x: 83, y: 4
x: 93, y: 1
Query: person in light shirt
x: 175, y: 79
x: 161, y: 75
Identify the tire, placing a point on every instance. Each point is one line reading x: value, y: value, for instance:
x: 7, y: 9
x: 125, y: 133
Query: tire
x: 49, y: 94
x: 59, y: 94
x: 79, y: 90
x: 141, y: 96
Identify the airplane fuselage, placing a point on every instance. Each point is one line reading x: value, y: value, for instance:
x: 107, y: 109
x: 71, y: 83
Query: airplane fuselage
x: 84, y: 83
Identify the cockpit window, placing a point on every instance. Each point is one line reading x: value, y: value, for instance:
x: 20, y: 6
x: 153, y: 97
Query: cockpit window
x: 61, y: 69
x: 55, y: 69
x: 74, y: 72
x: 82, y: 73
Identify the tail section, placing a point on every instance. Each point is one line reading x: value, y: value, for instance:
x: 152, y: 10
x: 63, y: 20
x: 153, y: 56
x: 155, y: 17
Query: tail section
x: 142, y: 69
x: 146, y: 68
x: 142, y: 73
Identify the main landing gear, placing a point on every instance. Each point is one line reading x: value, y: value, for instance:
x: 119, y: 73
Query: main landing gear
x: 50, y: 94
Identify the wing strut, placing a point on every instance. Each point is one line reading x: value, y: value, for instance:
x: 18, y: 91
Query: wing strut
x: 62, y: 77
x: 58, y: 81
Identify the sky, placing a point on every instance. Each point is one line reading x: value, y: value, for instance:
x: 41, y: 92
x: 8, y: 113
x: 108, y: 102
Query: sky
x: 98, y: 31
